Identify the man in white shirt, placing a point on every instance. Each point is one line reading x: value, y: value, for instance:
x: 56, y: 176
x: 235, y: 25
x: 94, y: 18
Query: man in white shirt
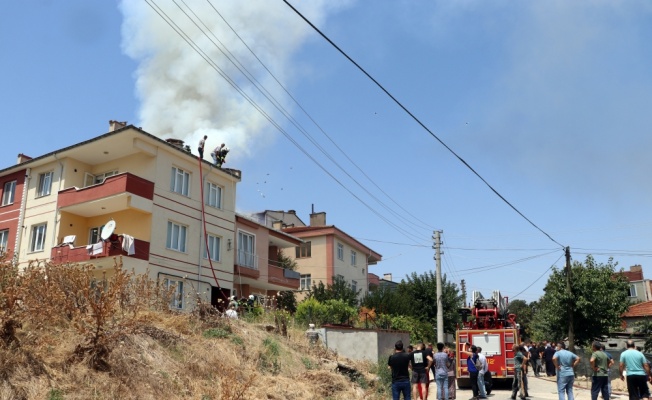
x: 231, y: 312
x: 485, y: 367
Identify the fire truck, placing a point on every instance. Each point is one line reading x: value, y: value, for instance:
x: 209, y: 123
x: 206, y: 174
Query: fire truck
x: 487, y: 324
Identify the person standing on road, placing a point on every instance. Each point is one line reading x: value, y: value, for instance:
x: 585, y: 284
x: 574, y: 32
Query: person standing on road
x: 550, y: 367
x: 472, y: 367
x: 535, y: 361
x: 421, y: 363
x: 451, y: 374
x: 637, y: 372
x: 482, y: 390
x: 441, y: 372
x: 599, y: 365
x: 611, y: 362
x: 564, y: 362
x: 518, y: 372
x: 524, y: 367
x: 399, y: 363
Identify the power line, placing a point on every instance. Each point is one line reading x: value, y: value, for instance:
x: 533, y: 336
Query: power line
x: 535, y: 281
x: 505, y: 264
x: 213, y: 65
x: 418, y: 220
x: 420, y: 123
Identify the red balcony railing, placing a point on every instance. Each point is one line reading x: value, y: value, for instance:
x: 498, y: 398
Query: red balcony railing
x: 82, y: 254
x: 113, y: 185
x: 283, y: 277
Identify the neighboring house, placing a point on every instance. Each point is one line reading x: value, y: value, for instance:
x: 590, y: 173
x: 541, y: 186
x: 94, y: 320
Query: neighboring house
x: 147, y: 190
x: 12, y: 201
x: 635, y: 314
x: 375, y: 282
x: 257, y: 267
x: 326, y: 251
x: 640, y: 289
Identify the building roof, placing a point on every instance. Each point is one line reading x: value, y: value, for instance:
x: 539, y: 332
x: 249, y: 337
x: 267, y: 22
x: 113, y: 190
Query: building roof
x: 29, y: 162
x: 639, y: 310
x: 292, y: 239
x: 313, y: 231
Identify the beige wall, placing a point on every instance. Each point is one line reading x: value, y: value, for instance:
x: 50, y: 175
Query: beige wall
x: 129, y: 222
x: 357, y: 272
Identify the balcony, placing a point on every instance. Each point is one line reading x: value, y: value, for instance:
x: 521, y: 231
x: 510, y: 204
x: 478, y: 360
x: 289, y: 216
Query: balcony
x: 66, y: 254
x: 119, y: 192
x: 284, y: 277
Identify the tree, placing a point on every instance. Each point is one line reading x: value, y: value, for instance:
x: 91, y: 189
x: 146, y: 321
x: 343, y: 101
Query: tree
x: 417, y: 297
x: 645, y: 327
x: 599, y: 297
x: 338, y: 290
x: 286, y: 262
x: 286, y: 301
x: 524, y: 313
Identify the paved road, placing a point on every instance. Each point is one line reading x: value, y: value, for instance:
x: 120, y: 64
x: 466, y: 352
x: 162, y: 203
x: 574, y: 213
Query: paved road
x: 539, y: 388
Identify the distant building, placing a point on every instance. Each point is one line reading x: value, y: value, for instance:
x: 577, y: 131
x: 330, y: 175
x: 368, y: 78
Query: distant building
x: 326, y: 251
x: 375, y: 282
x: 640, y: 289
x: 635, y: 314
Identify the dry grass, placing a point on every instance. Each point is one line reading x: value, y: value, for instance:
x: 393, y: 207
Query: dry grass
x: 122, y: 344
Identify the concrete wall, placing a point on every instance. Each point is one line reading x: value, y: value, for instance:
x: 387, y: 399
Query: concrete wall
x: 360, y: 344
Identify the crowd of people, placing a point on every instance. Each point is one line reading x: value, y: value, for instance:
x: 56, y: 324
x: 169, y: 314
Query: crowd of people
x: 422, y: 360
x: 550, y: 358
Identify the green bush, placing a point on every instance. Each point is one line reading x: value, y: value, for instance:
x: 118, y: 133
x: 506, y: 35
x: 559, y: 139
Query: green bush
x: 218, y: 333
x: 339, y: 312
x: 310, y: 311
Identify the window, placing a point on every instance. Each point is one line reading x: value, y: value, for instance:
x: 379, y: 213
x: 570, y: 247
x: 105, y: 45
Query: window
x: 4, y: 238
x: 214, y: 244
x: 246, y: 250
x: 8, y: 193
x: 340, y: 251
x: 180, y: 181
x: 90, y: 179
x: 303, y: 250
x: 632, y: 290
x: 304, y: 282
x: 44, y: 184
x: 94, y: 234
x: 213, y: 195
x: 353, y: 257
x: 177, y: 295
x: 176, y: 239
x: 37, y: 242
x: 354, y: 286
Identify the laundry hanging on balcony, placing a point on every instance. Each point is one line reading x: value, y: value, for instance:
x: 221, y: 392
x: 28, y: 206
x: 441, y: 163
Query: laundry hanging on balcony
x: 128, y: 244
x: 95, y: 249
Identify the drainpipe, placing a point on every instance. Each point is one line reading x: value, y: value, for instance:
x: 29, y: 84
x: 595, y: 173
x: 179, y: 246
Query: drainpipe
x: 56, y: 204
x: 21, y: 216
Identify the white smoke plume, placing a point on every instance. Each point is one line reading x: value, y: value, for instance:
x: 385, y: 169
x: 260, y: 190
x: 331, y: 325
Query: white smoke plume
x: 182, y: 96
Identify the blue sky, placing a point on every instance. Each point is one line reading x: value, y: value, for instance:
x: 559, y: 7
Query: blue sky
x: 549, y: 101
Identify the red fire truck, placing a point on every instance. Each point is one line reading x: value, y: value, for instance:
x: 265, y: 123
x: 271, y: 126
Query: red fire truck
x: 488, y: 325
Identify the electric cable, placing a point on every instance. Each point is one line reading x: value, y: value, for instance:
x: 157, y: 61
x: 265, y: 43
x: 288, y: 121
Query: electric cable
x: 418, y: 121
x: 249, y: 76
x: 213, y: 65
x: 541, y: 276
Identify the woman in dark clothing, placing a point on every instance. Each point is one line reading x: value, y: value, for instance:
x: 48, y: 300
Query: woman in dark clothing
x: 548, y: 353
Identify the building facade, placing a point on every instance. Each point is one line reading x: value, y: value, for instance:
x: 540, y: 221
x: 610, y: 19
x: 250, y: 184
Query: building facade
x: 326, y: 252
x: 125, y: 193
x: 640, y: 289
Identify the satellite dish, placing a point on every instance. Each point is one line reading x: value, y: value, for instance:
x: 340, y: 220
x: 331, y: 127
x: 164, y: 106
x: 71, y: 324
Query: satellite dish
x: 107, y: 230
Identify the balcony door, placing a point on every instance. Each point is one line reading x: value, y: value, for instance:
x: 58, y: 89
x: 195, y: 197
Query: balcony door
x: 246, y: 250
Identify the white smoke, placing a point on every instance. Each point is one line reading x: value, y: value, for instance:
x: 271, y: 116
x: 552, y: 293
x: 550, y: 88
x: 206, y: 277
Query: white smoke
x: 182, y: 96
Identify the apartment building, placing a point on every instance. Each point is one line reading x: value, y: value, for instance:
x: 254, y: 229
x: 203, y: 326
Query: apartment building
x: 125, y: 193
x: 258, y: 270
x: 640, y: 289
x: 326, y: 251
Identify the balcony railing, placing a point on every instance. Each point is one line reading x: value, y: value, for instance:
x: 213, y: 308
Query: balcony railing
x: 247, y: 259
x: 81, y: 254
x: 124, y: 183
x: 283, y: 277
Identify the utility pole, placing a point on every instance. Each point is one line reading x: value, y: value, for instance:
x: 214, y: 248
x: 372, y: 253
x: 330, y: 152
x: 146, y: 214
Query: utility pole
x: 569, y: 293
x: 463, y: 286
x: 440, y: 304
